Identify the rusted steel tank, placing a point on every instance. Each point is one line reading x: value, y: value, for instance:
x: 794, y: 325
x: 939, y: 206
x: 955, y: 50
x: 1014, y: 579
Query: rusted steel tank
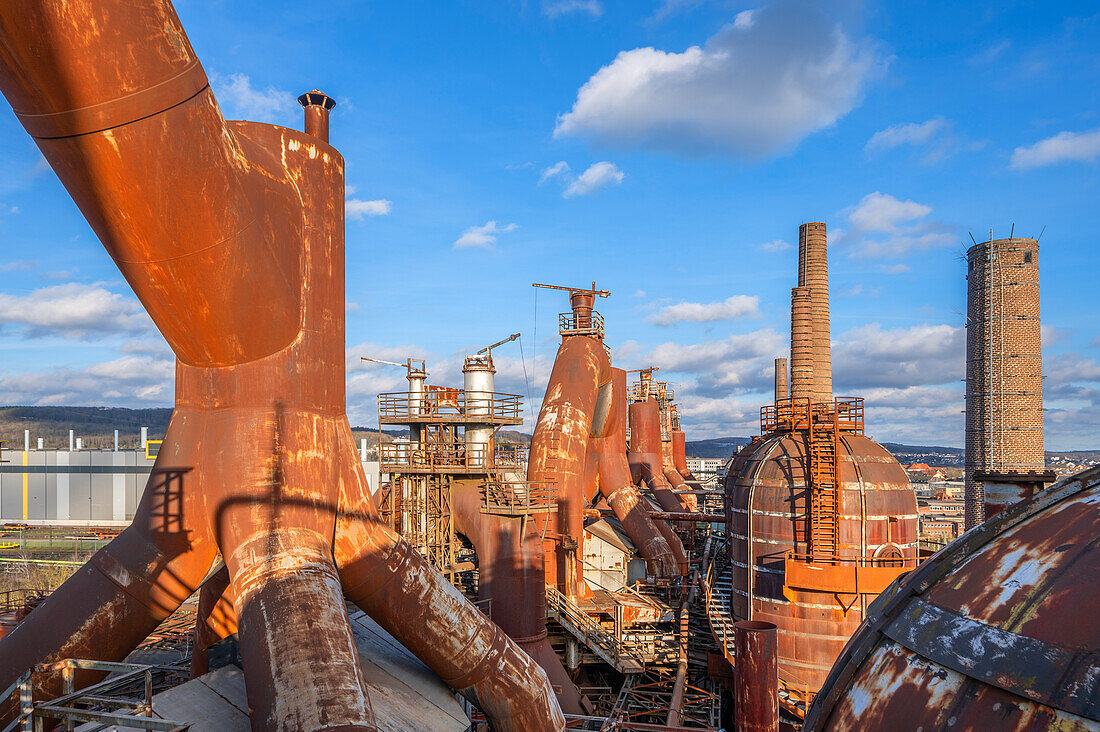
x: 996, y: 631
x: 232, y: 236
x: 766, y: 505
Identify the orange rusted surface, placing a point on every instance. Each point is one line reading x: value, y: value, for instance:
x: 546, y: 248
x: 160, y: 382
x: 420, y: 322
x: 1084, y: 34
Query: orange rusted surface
x: 216, y: 618
x: 766, y: 503
x: 511, y: 579
x: 622, y: 496
x: 645, y: 454
x: 559, y: 452
x: 995, y: 631
x: 232, y: 236
x: 830, y: 578
x: 755, y: 677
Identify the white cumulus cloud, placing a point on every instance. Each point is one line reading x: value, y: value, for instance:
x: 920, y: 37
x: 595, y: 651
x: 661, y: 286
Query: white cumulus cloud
x: 757, y: 87
x: 357, y: 209
x: 560, y: 168
x: 596, y: 177
x: 912, y: 133
x: 698, y: 312
x: 1064, y: 147
x: 777, y: 245
x: 483, y: 236
x: 239, y: 100
x: 73, y: 311
x: 882, y: 226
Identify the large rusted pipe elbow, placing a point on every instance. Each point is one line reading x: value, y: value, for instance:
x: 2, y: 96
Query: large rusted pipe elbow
x: 397, y: 587
x: 622, y: 496
x: 118, y: 103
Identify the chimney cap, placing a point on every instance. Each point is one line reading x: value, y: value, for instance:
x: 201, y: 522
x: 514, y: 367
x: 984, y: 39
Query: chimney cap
x: 316, y: 98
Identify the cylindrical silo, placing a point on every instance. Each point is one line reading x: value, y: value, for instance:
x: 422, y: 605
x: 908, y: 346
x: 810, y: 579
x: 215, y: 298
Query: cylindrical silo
x: 1004, y: 370
x: 418, y: 377
x: 813, y: 272
x: 478, y: 382
x: 802, y: 344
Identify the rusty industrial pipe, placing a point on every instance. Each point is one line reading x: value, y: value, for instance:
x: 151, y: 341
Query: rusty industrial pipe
x: 400, y: 590
x: 755, y: 677
x: 512, y: 582
x: 679, y: 465
x: 616, y: 486
x: 644, y: 454
x: 215, y: 619
x: 231, y: 235
x: 317, y: 107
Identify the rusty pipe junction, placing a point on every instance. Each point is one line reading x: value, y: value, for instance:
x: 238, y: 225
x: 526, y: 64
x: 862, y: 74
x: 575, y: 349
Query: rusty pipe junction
x: 258, y: 464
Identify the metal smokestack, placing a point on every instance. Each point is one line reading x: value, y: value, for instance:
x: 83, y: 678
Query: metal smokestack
x: 813, y: 272
x: 802, y: 344
x: 317, y: 106
x: 780, y: 379
x: 1005, y: 459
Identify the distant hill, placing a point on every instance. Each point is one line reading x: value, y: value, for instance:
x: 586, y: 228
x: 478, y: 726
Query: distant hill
x: 94, y: 425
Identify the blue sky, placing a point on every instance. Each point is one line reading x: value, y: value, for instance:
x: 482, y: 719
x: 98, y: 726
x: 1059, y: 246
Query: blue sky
x: 667, y: 150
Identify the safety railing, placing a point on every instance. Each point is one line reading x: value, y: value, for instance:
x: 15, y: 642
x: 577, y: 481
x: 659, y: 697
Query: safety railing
x: 21, y: 600
x: 510, y: 455
x: 396, y: 457
x: 721, y: 622
x: 450, y: 405
x: 843, y: 575
x: 795, y: 414
x: 622, y: 656
x: 106, y: 703
x: 584, y: 324
x: 643, y: 390
x: 518, y: 498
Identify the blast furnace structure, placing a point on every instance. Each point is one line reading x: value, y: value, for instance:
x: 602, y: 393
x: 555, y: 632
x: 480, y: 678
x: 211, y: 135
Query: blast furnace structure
x: 820, y: 518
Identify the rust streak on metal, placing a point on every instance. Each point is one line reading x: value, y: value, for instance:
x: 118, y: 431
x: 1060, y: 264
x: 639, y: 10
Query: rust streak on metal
x: 755, y: 677
x: 232, y: 236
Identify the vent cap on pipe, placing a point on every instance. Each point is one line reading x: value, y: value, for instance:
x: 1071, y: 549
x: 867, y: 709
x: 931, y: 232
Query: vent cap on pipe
x: 317, y: 106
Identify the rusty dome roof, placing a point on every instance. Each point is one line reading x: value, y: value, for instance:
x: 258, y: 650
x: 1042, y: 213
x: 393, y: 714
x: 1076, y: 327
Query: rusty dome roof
x: 996, y: 631
x: 782, y: 456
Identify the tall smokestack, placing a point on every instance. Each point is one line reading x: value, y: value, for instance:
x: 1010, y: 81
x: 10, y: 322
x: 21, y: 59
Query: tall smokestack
x: 1005, y: 461
x: 780, y: 379
x: 813, y: 272
x: 802, y: 344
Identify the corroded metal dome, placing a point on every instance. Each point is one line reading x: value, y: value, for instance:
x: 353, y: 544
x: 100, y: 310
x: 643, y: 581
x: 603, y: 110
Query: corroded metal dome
x: 996, y: 631
x: 767, y: 505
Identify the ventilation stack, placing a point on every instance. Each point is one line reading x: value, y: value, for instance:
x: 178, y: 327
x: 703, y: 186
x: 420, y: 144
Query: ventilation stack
x: 1005, y: 460
x: 802, y: 344
x: 780, y: 379
x: 813, y: 272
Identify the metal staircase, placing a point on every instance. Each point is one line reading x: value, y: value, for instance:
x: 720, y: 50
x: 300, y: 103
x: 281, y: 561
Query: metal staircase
x: 717, y: 592
x: 824, y: 484
x: 589, y: 631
